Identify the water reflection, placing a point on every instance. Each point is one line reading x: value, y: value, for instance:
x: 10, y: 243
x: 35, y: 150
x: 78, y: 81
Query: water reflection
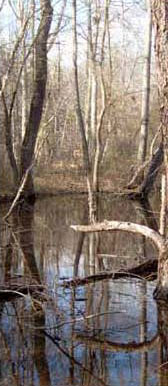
x: 107, y: 332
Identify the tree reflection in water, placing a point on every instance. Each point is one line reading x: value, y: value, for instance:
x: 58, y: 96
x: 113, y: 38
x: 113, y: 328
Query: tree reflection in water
x: 28, y: 316
x: 102, y: 333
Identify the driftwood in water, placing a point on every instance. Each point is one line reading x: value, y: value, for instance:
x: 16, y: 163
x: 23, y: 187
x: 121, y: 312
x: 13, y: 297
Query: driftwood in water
x: 149, y: 233
x: 147, y: 270
x: 10, y: 291
x: 158, y: 240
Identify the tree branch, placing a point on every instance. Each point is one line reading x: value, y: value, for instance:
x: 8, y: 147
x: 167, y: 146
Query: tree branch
x: 150, y: 234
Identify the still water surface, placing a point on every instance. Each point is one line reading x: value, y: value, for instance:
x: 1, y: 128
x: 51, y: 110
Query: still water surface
x: 104, y: 333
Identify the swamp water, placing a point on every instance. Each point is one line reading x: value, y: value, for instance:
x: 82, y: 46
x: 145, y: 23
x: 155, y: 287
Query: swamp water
x: 108, y: 332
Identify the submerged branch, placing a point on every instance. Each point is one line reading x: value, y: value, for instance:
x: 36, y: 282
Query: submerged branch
x: 14, y: 290
x: 147, y: 270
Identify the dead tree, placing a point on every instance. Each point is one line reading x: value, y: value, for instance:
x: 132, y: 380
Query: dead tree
x: 155, y: 237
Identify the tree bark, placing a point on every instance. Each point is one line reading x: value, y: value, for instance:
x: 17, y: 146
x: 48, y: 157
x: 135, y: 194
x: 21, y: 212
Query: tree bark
x: 152, y: 172
x: 155, y: 237
x: 152, y: 235
x: 29, y: 141
x: 81, y: 123
x: 160, y: 21
x: 8, y: 140
x: 146, y: 90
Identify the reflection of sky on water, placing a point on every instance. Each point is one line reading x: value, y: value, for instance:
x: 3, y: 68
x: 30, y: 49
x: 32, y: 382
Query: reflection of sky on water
x: 124, y: 310
x: 123, y: 326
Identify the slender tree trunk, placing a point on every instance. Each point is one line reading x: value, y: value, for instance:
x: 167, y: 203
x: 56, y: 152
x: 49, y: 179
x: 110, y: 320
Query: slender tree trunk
x: 88, y: 74
x: 110, y: 64
x: 146, y: 90
x: 29, y: 141
x: 24, y: 83
x: 93, y: 107
x: 8, y: 140
x: 98, y: 120
x: 152, y: 173
x: 163, y: 334
x: 143, y: 137
x: 98, y: 150
x: 81, y: 123
x: 33, y: 8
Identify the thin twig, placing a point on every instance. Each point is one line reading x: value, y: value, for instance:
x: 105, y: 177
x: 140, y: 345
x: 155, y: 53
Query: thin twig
x: 19, y: 192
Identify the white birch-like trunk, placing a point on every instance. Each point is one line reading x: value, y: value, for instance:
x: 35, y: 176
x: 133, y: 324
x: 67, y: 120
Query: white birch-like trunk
x: 24, y: 94
x: 88, y: 74
x: 22, y: 14
x: 93, y: 122
x: 33, y: 10
x: 143, y: 138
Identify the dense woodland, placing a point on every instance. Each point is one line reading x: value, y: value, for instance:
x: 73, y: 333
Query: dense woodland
x: 84, y: 104
x: 109, y: 43
x: 84, y: 192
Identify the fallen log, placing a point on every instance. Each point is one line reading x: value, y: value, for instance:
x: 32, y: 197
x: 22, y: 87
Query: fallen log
x: 11, y: 291
x: 147, y: 270
x: 123, y: 226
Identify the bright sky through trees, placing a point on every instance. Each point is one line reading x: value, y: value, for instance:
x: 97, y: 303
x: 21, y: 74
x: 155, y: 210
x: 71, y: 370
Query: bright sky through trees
x: 127, y: 21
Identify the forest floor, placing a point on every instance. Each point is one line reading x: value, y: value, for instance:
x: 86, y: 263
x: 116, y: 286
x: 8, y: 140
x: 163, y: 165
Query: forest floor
x: 64, y: 182
x: 68, y: 181
x: 54, y: 180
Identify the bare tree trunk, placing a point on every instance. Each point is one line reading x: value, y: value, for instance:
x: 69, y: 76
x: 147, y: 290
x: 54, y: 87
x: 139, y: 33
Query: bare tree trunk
x: 146, y: 90
x: 8, y: 140
x: 110, y: 65
x: 143, y: 136
x: 33, y: 8
x: 81, y: 123
x: 98, y: 121
x: 24, y: 76
x: 88, y: 74
x: 9, y: 110
x: 163, y: 334
x: 29, y: 141
x: 160, y: 20
x: 152, y: 172
x: 98, y: 151
x: 93, y: 107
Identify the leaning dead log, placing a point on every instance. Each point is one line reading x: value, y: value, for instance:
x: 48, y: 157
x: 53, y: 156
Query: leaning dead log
x: 149, y: 233
x: 158, y: 240
x: 12, y: 291
x: 147, y: 270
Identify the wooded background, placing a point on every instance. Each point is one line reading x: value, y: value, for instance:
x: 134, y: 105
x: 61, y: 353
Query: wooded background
x: 99, y: 112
